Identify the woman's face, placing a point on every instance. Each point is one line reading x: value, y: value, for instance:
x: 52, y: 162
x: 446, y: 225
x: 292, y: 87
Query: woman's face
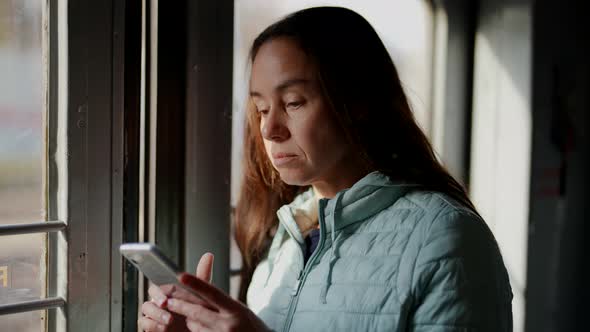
x: 302, y: 137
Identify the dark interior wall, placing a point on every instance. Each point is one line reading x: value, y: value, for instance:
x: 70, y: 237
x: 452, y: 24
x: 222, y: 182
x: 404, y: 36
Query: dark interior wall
x: 171, y: 105
x: 558, y: 292
x: 208, y: 135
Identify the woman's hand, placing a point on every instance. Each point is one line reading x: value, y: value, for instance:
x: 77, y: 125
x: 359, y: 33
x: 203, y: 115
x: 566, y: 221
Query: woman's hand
x: 156, y: 316
x: 219, y: 313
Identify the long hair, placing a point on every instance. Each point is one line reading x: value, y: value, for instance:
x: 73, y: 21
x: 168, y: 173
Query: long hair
x: 361, y: 84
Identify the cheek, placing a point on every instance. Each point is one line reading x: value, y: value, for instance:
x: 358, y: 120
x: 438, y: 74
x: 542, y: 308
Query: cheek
x: 323, y: 140
x: 331, y: 145
x: 266, y: 143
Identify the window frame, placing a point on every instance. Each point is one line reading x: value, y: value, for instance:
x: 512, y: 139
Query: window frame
x: 209, y: 76
x: 83, y: 189
x: 452, y: 86
x: 85, y: 175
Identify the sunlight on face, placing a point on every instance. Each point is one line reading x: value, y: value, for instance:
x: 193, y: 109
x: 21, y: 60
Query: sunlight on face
x: 301, y: 135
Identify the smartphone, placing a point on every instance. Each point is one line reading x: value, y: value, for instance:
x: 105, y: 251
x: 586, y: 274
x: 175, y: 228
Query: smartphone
x: 158, y: 268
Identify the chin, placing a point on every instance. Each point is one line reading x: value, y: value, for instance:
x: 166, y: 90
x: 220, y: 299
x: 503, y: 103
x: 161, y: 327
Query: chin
x: 295, y: 177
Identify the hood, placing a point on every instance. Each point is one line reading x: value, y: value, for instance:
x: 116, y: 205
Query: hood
x: 365, y: 198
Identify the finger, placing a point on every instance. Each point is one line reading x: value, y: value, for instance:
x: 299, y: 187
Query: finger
x: 205, y: 267
x: 195, y: 312
x: 153, y: 312
x: 195, y: 326
x: 208, y: 292
x: 179, y: 292
x: 157, y: 295
x: 148, y: 325
x: 168, y: 289
x: 176, y: 291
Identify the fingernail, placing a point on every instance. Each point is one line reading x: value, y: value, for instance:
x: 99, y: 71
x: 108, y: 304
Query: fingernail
x: 171, y: 302
x: 166, y: 317
x: 160, y: 301
x: 161, y: 327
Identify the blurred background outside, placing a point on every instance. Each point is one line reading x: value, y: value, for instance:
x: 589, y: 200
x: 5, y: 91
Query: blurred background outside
x: 22, y: 149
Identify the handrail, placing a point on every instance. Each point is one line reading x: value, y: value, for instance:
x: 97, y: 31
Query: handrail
x: 42, y: 304
x: 36, y: 227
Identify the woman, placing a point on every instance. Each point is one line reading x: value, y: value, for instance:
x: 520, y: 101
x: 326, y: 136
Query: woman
x: 372, y: 232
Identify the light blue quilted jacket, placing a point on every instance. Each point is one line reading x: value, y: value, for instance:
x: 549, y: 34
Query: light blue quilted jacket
x: 391, y: 257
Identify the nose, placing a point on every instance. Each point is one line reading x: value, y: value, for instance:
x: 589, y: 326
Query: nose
x: 274, y: 127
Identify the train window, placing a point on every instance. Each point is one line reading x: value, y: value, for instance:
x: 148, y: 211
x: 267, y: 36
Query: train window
x: 22, y: 160
x: 49, y: 180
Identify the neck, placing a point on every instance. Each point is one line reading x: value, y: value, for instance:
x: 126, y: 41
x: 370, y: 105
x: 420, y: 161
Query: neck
x: 329, y: 187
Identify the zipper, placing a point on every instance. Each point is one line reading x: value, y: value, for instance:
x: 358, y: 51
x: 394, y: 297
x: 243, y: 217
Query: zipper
x: 303, y: 273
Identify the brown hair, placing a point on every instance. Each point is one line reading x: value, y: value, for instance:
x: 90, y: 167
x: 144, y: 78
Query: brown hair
x: 360, y: 82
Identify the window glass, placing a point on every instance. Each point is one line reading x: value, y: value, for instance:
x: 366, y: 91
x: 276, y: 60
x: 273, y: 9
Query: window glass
x: 22, y: 158
x: 405, y: 26
x: 21, y: 112
x: 23, y: 322
x: 22, y: 277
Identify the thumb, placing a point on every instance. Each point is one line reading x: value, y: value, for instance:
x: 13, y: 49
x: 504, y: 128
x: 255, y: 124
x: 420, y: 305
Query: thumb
x: 205, y: 267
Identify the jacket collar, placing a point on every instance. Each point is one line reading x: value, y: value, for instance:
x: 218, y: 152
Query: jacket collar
x: 369, y: 196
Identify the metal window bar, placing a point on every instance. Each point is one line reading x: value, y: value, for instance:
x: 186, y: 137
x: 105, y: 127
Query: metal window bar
x: 36, y: 227
x: 29, y: 228
x: 42, y: 304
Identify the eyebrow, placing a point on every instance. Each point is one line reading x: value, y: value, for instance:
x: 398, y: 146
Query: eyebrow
x: 283, y: 86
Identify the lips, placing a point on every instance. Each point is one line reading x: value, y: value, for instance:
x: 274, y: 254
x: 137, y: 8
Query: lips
x: 282, y: 158
x: 280, y: 155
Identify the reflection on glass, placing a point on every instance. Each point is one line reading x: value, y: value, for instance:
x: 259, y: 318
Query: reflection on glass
x: 21, y: 111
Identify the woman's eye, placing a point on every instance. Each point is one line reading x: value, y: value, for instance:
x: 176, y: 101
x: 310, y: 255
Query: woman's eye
x: 261, y: 109
x: 294, y: 104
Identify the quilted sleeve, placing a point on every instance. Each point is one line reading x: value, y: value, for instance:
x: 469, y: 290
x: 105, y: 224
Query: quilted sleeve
x: 460, y: 282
